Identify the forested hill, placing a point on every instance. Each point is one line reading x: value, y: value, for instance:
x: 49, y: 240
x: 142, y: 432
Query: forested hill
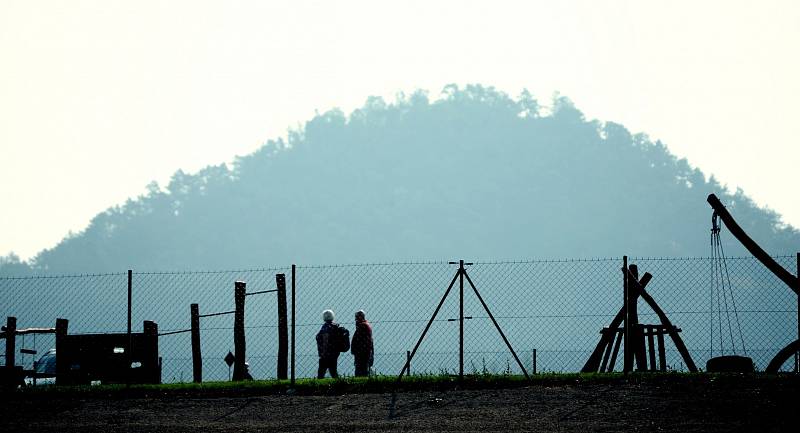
x: 476, y: 175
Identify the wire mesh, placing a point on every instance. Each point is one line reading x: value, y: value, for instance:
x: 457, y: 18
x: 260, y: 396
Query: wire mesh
x: 555, y: 307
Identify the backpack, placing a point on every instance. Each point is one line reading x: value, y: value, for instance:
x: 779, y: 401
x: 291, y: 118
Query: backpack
x: 342, y: 339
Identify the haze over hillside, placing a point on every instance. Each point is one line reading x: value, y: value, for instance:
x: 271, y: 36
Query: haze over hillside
x: 476, y: 174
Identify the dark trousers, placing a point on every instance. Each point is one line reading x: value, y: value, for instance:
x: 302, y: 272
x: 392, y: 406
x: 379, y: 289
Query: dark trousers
x: 327, y: 364
x: 361, y: 364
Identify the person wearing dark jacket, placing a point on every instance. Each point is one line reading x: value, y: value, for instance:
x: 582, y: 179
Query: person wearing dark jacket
x: 362, y: 347
x: 326, y: 346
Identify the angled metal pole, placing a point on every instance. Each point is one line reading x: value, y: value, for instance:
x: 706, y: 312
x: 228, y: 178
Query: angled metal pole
x: 496, y: 325
x: 421, y: 337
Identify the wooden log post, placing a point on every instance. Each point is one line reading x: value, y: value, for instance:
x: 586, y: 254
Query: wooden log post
x: 608, y: 335
x: 651, y: 349
x: 662, y: 352
x: 293, y: 322
x: 614, y: 353
x: 62, y: 357
x: 637, y: 332
x: 197, y: 358
x: 283, y: 328
x: 149, y: 354
x: 239, y: 343
x: 11, y: 341
x: 593, y: 363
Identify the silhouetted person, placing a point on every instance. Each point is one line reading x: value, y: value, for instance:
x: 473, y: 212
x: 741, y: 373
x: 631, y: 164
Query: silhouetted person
x: 328, y: 345
x: 362, y: 347
x: 247, y: 375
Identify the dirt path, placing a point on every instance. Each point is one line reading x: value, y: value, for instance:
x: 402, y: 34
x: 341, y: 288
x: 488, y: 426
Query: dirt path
x: 738, y: 405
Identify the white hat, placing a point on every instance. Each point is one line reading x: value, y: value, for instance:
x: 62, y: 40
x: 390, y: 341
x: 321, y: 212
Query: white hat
x: 328, y: 315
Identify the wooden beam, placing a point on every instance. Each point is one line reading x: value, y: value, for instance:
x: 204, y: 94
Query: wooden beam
x: 676, y: 338
x: 751, y: 245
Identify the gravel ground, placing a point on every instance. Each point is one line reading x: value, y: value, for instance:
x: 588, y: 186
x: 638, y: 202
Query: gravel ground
x: 733, y: 404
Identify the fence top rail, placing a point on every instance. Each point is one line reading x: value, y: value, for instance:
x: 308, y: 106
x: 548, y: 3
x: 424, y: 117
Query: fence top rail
x: 218, y: 271
x: 64, y: 276
x: 378, y: 264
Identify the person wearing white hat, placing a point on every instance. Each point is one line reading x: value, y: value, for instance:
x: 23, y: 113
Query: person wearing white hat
x: 332, y: 339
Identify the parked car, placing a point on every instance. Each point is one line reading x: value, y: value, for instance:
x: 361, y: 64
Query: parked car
x: 44, y: 370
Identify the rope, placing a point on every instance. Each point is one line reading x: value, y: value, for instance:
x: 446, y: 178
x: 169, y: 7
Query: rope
x: 733, y: 301
x: 721, y: 282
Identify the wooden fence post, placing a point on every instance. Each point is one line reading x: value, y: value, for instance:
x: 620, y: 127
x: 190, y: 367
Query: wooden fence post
x: 150, y: 352
x: 239, y: 343
x: 627, y: 353
x: 11, y: 341
x: 197, y: 359
x: 283, y: 328
x: 62, y: 355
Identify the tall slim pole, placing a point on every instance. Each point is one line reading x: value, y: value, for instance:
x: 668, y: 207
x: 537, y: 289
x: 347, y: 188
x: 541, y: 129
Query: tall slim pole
x: 797, y: 355
x: 627, y: 358
x: 130, y: 336
x: 293, y: 279
x: 461, y: 319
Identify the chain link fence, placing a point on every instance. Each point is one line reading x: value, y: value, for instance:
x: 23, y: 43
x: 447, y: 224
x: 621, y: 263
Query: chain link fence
x: 551, y: 310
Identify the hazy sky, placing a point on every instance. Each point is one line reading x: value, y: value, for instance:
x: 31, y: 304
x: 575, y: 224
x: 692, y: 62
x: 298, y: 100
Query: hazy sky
x: 98, y: 98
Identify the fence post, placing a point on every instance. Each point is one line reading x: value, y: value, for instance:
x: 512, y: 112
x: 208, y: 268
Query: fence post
x: 408, y: 361
x: 11, y: 341
x: 239, y: 344
x: 534, y: 361
x: 637, y: 333
x: 461, y: 320
x: 149, y: 354
x: 283, y: 330
x: 627, y: 354
x: 62, y: 357
x: 197, y: 359
x: 797, y: 355
x: 293, y: 286
x: 129, y: 350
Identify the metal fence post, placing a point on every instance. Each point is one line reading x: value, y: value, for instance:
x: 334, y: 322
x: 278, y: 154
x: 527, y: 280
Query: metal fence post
x: 534, y: 361
x: 293, y: 321
x: 461, y: 319
x: 129, y: 350
x: 627, y: 354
